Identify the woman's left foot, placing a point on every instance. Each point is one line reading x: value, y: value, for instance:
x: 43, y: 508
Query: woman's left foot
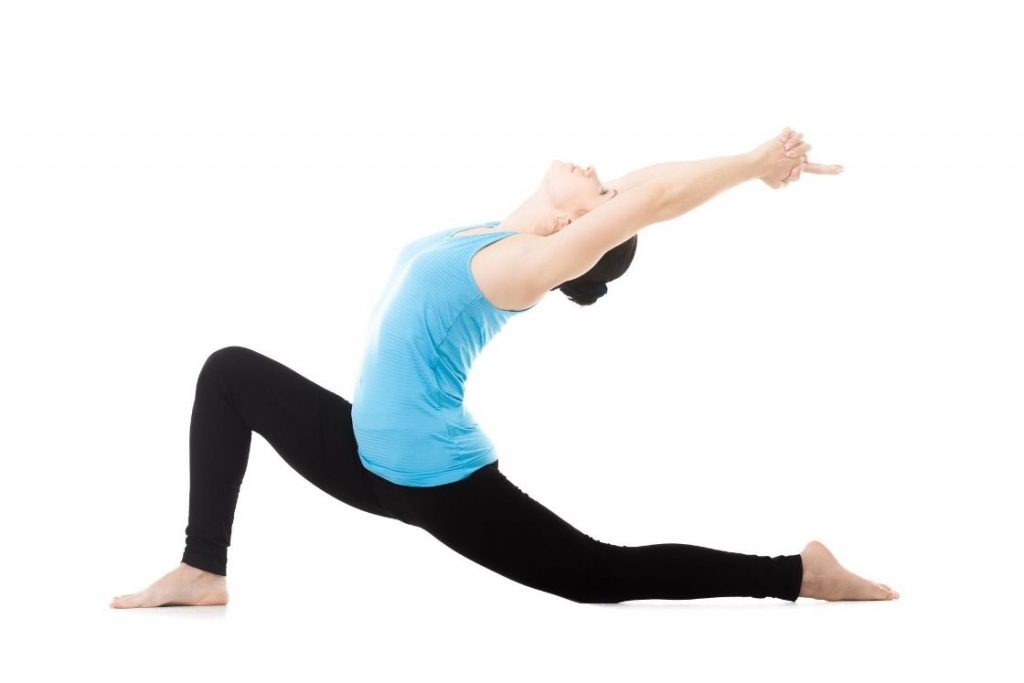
x: 184, y: 585
x: 825, y: 579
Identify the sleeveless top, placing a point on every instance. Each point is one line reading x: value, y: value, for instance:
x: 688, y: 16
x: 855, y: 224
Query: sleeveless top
x: 427, y: 327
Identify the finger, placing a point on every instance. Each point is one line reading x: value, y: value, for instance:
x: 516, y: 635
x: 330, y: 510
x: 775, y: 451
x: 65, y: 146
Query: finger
x: 799, y: 150
x: 823, y: 169
x: 794, y: 174
x: 785, y: 134
x: 794, y: 140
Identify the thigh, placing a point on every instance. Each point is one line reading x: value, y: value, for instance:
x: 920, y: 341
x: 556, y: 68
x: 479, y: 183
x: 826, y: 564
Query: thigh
x: 489, y: 520
x: 309, y: 426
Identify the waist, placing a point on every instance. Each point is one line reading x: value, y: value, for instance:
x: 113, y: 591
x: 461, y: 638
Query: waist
x: 423, y: 457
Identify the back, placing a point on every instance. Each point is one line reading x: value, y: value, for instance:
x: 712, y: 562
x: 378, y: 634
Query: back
x: 429, y: 324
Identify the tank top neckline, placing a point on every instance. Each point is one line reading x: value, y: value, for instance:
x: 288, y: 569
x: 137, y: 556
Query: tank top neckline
x: 490, y: 224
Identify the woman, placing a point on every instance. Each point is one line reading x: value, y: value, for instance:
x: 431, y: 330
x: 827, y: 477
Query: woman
x: 406, y: 447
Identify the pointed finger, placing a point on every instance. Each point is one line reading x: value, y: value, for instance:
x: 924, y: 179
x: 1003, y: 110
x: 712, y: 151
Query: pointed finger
x: 824, y: 169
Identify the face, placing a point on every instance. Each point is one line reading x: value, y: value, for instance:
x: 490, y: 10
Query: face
x: 573, y: 190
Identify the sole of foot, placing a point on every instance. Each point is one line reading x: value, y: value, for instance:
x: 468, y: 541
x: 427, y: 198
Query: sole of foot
x: 184, y: 585
x: 826, y: 579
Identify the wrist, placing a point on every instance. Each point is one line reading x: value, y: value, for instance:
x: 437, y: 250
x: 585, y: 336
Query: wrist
x: 751, y: 164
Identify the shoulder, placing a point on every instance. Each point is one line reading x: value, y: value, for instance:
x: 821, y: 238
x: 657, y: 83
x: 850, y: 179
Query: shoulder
x: 504, y: 273
x: 575, y: 249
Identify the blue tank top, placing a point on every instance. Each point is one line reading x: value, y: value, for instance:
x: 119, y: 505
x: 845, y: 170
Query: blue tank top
x: 427, y: 327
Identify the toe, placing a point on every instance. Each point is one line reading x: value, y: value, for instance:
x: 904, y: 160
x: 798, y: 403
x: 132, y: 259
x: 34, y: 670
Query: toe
x: 885, y: 593
x: 127, y: 600
x: 892, y: 593
x: 878, y: 591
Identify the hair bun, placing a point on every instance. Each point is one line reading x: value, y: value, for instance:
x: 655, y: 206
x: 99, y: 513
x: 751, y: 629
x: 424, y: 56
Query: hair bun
x: 584, y: 293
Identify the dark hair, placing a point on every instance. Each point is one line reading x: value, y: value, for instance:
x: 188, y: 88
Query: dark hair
x: 592, y: 285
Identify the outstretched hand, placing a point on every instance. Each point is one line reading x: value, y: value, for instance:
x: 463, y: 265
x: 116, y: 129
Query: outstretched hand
x: 782, y: 159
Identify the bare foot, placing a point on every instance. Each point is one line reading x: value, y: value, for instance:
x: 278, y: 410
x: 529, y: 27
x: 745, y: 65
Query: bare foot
x: 184, y: 585
x: 826, y: 579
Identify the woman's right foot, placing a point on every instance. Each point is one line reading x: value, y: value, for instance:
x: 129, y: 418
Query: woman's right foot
x: 184, y: 585
x: 826, y: 579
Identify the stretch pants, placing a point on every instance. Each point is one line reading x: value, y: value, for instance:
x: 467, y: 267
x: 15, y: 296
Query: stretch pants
x: 483, y: 517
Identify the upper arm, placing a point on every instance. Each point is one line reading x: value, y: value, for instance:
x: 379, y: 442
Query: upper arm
x: 630, y: 180
x: 575, y: 249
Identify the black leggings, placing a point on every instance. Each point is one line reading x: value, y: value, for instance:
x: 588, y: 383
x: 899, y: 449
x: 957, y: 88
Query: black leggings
x: 484, y: 517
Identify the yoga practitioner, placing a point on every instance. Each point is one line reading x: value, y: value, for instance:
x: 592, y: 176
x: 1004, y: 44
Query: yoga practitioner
x: 407, y: 448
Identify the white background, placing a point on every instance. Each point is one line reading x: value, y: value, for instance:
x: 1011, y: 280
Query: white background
x: 840, y: 360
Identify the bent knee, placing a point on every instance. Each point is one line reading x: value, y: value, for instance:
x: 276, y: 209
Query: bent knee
x: 223, y: 361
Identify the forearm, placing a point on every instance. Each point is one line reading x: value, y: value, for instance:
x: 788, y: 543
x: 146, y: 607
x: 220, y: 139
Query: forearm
x: 684, y: 185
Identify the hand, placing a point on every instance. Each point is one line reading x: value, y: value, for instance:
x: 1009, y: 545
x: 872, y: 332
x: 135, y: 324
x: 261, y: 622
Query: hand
x: 781, y: 160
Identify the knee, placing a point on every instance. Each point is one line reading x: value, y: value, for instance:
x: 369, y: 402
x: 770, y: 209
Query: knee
x: 593, y: 581
x: 223, y: 361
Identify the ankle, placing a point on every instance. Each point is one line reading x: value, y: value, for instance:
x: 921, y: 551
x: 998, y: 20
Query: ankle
x: 811, y: 582
x: 194, y: 571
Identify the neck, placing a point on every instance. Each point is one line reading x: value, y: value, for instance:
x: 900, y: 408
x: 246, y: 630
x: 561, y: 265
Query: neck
x: 533, y: 217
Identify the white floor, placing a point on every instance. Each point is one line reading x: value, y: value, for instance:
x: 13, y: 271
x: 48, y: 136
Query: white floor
x: 324, y: 592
